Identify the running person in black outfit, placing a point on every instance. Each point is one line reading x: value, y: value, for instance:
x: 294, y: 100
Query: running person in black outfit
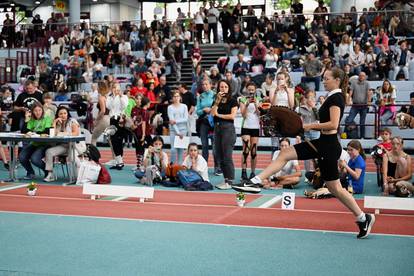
x: 327, y: 149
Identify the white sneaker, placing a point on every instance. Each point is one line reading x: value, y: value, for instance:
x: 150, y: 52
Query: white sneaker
x: 49, y: 178
x: 111, y: 163
x: 223, y: 186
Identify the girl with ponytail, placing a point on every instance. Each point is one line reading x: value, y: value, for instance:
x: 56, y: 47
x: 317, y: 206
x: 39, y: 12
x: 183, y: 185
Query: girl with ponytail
x: 355, y: 167
x: 327, y: 149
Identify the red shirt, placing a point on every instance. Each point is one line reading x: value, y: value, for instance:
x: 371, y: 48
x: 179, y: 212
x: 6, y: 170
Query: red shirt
x: 151, y: 96
x: 140, y: 116
x: 135, y: 90
x: 386, y: 145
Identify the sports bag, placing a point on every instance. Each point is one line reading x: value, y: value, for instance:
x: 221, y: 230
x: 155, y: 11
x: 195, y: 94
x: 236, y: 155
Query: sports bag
x: 104, y: 176
x: 188, y: 177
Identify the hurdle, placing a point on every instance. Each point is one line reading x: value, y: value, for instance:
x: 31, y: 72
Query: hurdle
x: 390, y: 203
x: 112, y: 190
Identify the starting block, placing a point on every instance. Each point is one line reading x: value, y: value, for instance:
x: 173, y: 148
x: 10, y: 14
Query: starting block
x: 112, y: 190
x: 390, y: 203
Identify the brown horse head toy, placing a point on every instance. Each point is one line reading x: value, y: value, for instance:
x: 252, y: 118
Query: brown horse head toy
x: 405, y: 120
x: 281, y: 121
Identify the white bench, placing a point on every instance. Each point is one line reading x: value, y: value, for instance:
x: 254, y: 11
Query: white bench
x: 390, y: 203
x: 123, y: 191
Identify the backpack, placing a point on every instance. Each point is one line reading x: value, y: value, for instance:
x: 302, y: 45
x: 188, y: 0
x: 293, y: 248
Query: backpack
x: 188, y: 177
x: 104, y: 176
x: 199, y: 186
x: 351, y: 130
x: 172, y: 170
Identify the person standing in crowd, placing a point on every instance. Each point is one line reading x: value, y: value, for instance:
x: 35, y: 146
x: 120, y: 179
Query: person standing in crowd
x: 199, y: 22
x: 189, y: 100
x: 203, y: 125
x: 178, y: 118
x: 250, y: 132
x: 102, y: 120
x: 309, y: 114
x: 327, y: 149
x: 284, y: 95
x: 212, y: 18
x: 313, y: 70
x: 141, y: 127
x: 175, y: 50
x: 359, y: 98
x: 224, y: 111
x: 116, y: 103
x: 226, y: 20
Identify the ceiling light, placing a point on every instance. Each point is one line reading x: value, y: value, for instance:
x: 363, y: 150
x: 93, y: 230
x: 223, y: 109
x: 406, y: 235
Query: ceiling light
x: 94, y: 0
x: 12, y: 4
x: 37, y: 2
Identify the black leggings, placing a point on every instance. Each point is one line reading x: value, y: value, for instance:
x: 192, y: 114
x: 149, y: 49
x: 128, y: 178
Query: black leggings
x: 118, y: 138
x: 328, y: 153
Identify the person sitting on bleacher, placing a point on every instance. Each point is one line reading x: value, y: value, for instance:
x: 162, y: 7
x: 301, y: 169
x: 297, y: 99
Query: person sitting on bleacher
x: 140, y: 68
x: 236, y: 40
x: 241, y: 67
x: 387, y: 110
x: 58, y: 74
x: 396, y: 166
x: 258, y: 54
x: 402, y: 60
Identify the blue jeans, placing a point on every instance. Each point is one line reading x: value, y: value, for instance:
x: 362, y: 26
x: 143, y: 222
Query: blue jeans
x: 316, y: 80
x: 204, y: 136
x: 362, y: 111
x: 176, y: 154
x: 289, y: 54
x: 32, y: 154
x: 386, y: 116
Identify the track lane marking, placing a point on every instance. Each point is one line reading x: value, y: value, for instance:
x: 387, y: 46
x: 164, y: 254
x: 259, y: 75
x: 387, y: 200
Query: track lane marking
x: 208, y: 223
x: 206, y: 205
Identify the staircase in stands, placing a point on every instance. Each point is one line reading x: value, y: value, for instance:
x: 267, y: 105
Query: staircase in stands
x: 27, y: 56
x: 210, y: 54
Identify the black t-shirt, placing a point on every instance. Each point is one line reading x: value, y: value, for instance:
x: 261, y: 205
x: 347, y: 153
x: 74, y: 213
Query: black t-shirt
x: 188, y: 99
x: 225, y: 108
x: 15, y: 121
x: 27, y: 100
x: 336, y: 99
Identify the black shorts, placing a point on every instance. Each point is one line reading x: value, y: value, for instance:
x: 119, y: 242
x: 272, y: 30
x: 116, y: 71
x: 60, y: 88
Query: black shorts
x: 251, y: 132
x: 329, y: 151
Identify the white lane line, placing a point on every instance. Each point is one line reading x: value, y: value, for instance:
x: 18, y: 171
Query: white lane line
x: 119, y: 198
x: 270, y: 202
x: 205, y: 223
x: 208, y: 205
x: 13, y: 187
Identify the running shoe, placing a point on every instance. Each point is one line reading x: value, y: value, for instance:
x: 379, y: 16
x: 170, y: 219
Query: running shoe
x: 365, y: 227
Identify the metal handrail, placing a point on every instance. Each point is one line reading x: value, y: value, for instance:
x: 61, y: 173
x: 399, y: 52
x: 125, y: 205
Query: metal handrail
x: 376, y: 114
